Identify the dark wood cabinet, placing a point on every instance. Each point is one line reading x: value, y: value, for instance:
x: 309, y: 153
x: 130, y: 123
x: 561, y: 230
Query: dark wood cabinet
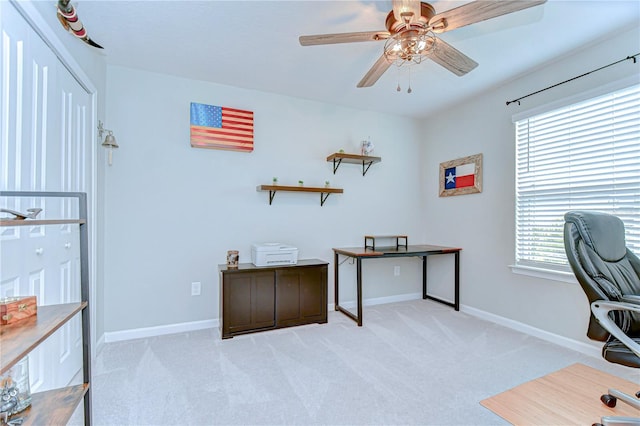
x: 264, y: 298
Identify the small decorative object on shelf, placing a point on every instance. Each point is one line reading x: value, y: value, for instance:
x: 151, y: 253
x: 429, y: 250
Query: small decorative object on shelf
x: 341, y: 151
x: 300, y: 182
x: 326, y: 183
x: 367, y: 147
x: 15, y: 394
x: 275, y: 180
x: 13, y: 309
x: 232, y: 258
x: 32, y: 213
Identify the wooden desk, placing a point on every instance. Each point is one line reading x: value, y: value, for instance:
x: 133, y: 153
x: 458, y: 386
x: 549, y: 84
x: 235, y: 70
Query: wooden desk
x: 359, y: 253
x: 570, y: 396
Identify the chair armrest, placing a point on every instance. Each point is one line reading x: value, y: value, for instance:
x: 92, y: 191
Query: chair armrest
x: 601, y: 309
x: 631, y: 298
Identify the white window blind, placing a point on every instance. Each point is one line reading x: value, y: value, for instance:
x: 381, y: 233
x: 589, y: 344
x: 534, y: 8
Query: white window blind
x: 584, y: 156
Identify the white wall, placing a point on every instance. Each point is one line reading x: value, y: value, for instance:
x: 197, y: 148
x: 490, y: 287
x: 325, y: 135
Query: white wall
x: 173, y: 211
x: 483, y: 224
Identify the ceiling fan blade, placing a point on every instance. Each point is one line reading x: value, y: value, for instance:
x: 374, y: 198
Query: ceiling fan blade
x: 477, y: 11
x: 311, y: 40
x: 375, y: 72
x: 451, y: 58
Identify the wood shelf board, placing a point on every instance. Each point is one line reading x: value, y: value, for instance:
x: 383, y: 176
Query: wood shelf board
x: 20, y: 338
x: 38, y: 222
x: 324, y: 190
x: 53, y: 407
x: 353, y: 158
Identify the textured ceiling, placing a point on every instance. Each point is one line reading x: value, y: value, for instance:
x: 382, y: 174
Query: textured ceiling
x: 254, y: 45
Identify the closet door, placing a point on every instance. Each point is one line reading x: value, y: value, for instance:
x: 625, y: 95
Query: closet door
x: 44, y: 146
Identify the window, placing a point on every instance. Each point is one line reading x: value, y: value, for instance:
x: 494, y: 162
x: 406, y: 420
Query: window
x: 584, y: 156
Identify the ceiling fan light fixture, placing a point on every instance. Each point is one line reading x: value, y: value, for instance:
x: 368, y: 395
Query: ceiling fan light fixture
x: 409, y: 46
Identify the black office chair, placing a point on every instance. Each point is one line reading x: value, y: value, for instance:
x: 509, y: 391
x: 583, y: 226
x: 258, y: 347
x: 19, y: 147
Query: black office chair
x: 609, y: 274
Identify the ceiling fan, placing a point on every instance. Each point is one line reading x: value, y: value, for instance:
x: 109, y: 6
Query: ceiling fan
x: 411, y: 34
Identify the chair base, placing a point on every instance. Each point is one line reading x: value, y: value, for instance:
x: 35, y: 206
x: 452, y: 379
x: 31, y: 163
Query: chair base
x: 618, y: 421
x: 610, y: 400
x: 624, y: 397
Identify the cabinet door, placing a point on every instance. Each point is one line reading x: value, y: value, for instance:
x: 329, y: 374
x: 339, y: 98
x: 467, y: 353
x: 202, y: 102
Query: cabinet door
x: 313, y: 294
x: 248, y: 302
x: 301, y: 295
x: 287, y: 297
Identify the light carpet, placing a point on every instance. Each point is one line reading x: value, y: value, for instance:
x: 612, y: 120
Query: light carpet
x: 412, y: 363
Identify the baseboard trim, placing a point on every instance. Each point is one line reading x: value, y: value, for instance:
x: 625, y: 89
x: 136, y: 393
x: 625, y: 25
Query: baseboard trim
x: 585, y: 348
x: 140, y: 333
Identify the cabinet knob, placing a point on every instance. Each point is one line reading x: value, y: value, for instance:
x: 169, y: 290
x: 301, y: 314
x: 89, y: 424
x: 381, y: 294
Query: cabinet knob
x: 39, y: 251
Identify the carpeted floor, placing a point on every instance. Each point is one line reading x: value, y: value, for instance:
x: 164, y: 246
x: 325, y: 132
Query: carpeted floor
x: 412, y: 363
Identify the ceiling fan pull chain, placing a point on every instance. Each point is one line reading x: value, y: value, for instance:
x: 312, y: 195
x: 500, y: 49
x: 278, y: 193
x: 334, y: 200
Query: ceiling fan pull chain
x: 409, y: 89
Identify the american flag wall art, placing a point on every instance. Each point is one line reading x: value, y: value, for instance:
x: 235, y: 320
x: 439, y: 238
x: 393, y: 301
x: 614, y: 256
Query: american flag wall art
x: 221, y: 128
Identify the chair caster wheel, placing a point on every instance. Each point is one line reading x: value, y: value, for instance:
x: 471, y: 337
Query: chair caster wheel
x: 597, y: 424
x: 608, y: 400
x: 638, y: 394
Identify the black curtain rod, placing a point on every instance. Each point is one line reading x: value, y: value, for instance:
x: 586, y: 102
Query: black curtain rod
x: 632, y: 57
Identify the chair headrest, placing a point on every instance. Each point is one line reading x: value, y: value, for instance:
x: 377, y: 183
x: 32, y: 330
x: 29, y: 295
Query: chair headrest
x: 602, y: 232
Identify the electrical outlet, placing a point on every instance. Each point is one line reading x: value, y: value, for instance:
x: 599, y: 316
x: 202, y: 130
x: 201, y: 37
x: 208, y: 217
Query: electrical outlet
x: 196, y: 287
x: 396, y: 271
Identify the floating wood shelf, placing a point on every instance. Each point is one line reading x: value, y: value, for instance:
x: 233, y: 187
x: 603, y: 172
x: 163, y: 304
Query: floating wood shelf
x: 340, y: 157
x: 324, y: 192
x: 37, y: 222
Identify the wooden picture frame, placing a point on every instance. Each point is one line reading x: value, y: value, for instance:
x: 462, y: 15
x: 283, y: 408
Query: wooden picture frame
x: 461, y: 176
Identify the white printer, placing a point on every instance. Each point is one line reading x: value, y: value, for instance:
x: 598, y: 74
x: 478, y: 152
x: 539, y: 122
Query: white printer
x: 269, y: 254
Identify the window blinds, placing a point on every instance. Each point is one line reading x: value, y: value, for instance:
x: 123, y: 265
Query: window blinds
x: 584, y: 156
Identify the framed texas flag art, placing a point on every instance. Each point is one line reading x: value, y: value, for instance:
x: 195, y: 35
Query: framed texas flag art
x: 461, y: 176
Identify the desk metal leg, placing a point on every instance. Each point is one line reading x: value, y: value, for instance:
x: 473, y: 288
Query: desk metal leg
x: 456, y: 296
x: 336, y: 265
x: 359, y: 278
x: 424, y: 277
x: 336, y: 290
x: 457, y: 282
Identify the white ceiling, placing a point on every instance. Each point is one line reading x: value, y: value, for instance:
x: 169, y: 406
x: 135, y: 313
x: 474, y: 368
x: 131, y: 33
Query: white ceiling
x: 254, y: 45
